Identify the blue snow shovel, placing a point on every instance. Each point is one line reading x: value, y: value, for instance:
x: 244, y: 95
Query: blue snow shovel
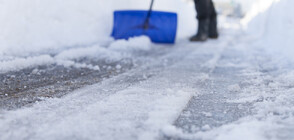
x: 160, y: 27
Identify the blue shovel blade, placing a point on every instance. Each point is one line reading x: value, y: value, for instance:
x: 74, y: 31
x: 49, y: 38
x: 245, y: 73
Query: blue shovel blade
x: 162, y: 25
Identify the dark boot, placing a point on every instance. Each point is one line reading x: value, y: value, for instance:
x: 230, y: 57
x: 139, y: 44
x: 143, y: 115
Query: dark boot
x: 213, y: 28
x: 203, y: 29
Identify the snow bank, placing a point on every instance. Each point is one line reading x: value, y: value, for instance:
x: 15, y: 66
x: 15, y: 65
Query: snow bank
x: 280, y: 28
x: 273, y: 23
x: 256, y: 18
x: 42, y: 26
x: 236, y: 8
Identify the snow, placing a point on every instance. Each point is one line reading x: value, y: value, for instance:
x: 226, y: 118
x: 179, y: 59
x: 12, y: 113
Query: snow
x: 269, y: 31
x: 234, y: 88
x: 21, y: 63
x: 50, y: 25
x: 117, y: 50
x: 126, y: 106
x: 64, y: 58
x: 106, y: 110
x: 35, y: 28
x: 68, y: 63
x: 133, y: 44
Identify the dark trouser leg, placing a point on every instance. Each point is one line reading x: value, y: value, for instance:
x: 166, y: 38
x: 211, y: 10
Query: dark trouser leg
x: 205, y: 9
x: 207, y: 23
x: 213, y: 33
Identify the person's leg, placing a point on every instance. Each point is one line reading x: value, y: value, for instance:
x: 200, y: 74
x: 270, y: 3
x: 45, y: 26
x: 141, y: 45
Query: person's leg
x: 205, y: 13
x: 203, y: 8
x: 213, y: 33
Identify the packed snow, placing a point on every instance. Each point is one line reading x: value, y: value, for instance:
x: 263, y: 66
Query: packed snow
x: 143, y: 103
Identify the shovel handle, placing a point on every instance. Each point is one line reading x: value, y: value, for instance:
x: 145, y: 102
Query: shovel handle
x: 150, y: 9
x: 146, y: 23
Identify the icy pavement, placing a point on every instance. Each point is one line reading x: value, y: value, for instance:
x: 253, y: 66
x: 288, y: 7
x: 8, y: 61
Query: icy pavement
x: 229, y: 88
x: 21, y: 88
x: 249, y: 95
x: 132, y: 105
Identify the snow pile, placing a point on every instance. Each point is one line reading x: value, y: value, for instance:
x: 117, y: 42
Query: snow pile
x: 41, y: 26
x: 255, y: 20
x: 34, y: 26
x: 236, y: 8
x: 116, y: 51
x: 22, y: 63
x: 280, y: 28
x: 133, y: 44
x: 271, y: 21
x: 95, y: 51
x: 65, y: 58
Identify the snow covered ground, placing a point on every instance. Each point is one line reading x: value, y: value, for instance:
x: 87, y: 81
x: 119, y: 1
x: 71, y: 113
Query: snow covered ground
x: 243, y: 81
